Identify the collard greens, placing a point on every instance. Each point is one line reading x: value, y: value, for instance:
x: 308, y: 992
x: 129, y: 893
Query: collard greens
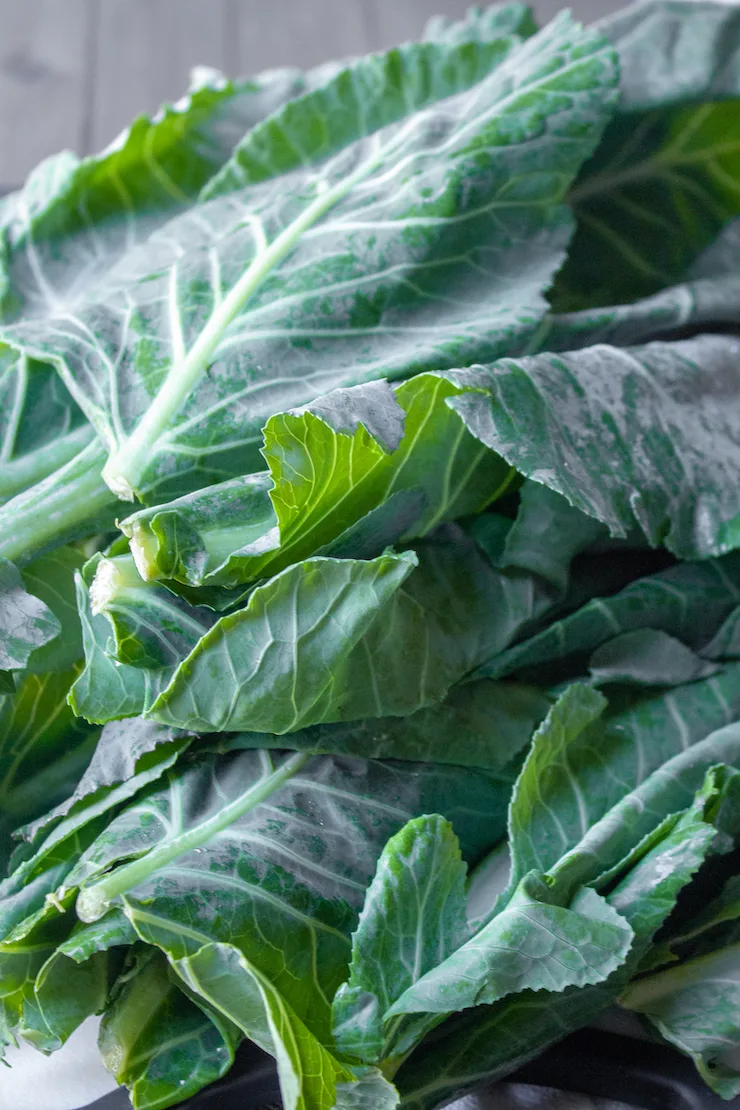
x: 369, y: 569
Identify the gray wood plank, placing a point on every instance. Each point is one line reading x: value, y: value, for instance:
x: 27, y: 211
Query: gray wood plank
x: 298, y: 32
x: 145, y: 50
x: 402, y: 20
x: 42, y: 81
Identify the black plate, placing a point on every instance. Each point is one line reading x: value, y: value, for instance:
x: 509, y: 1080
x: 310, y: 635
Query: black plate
x: 593, y: 1063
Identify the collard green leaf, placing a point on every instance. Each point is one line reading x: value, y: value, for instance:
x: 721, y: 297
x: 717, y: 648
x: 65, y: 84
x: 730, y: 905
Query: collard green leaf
x: 151, y: 626
x: 622, y: 434
x: 695, y: 1007
x: 533, y: 943
x: 664, y: 792
x: 75, y: 981
x: 647, y: 657
x: 374, y: 91
x: 591, y: 789
x: 108, y: 690
x: 102, y: 205
x: 308, y: 1072
x: 52, y: 579
x: 286, y: 660
x: 707, y: 304
x: 501, y: 1037
x: 354, y: 651
x: 287, y: 276
x: 480, y: 724
x: 158, y: 1042
x: 546, y: 535
x: 660, y: 186
x: 413, y: 919
x: 689, y: 601
x: 672, y: 54
x: 239, y: 847
x: 329, y: 466
x: 658, y: 191
x: 370, y: 1091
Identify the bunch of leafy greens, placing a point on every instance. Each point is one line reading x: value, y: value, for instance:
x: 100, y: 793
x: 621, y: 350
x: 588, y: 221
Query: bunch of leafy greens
x: 370, y: 566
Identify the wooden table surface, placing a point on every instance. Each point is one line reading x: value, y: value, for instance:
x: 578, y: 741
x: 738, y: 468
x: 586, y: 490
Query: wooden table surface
x: 73, y: 73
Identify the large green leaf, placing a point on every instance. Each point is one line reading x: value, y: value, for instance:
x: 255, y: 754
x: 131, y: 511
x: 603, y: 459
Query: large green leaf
x: 675, y: 53
x: 481, y: 724
x: 663, y: 182
x: 592, y: 789
x: 75, y: 981
x: 497, y: 1039
x: 329, y: 466
x: 623, y: 434
x: 309, y: 1074
x: 689, y: 601
x: 354, y: 639
x: 413, y: 919
x: 295, y: 655
x: 695, y: 1007
x: 240, y: 846
x: 99, y: 208
x: 533, y: 943
x: 334, y: 275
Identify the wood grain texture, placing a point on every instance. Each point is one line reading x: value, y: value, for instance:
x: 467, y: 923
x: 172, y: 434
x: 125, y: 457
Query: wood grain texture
x: 298, y: 32
x: 395, y: 21
x: 144, y: 51
x: 44, y: 54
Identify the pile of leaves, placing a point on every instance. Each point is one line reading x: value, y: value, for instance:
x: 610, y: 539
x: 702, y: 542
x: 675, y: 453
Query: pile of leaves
x: 370, y: 578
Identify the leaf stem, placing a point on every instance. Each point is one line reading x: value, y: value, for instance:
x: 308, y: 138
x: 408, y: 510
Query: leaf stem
x: 93, y: 901
x: 72, y: 502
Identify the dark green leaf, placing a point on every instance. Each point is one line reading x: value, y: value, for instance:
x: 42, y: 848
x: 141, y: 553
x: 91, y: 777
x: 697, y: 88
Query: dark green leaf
x: 497, y: 1039
x: 239, y: 847
x: 623, y: 435
x: 413, y: 919
x: 695, y: 1007
x: 380, y: 279
x: 689, y: 602
x: 647, y: 657
x: 308, y: 1072
x: 157, y: 1041
x: 481, y: 724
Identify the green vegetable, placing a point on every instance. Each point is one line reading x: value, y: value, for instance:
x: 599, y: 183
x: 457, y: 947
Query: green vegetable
x: 369, y: 566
